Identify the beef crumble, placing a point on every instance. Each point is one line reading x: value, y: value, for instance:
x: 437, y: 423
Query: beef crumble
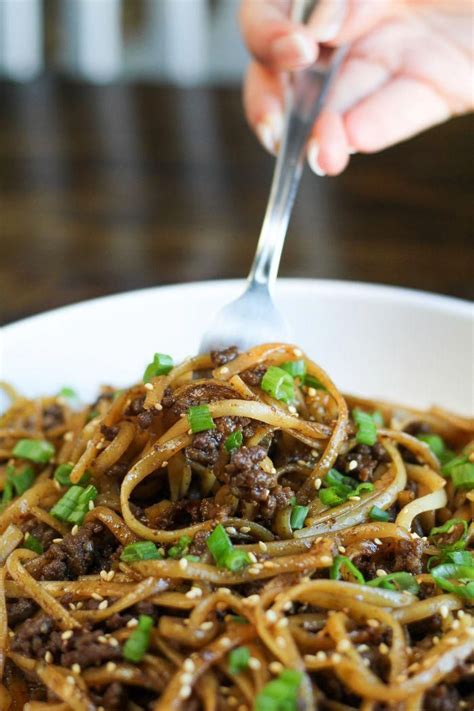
x: 392, y: 555
x: 367, y: 460
x: 224, y: 356
x: 253, y: 376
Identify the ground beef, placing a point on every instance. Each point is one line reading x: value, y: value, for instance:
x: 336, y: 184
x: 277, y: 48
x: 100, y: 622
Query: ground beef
x: 427, y: 626
x: 136, y: 406
x: 392, y: 556
x: 225, y: 356
x: 206, y: 446
x: 249, y: 482
x: 44, y: 533
x: 89, y: 551
x: 198, y: 545
x: 115, y: 697
x: 32, y: 636
x: 186, y: 511
x: 253, y: 376
x: 109, y: 433
x: 84, y: 648
x: 194, y: 394
x: 53, y: 416
x: 367, y: 458
x: 204, y: 510
x: 145, y: 419
x: 442, y: 698
x: 19, y: 610
x: 118, y: 470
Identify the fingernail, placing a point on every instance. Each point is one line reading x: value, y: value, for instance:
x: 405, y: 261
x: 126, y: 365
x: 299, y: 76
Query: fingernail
x: 313, y: 153
x: 328, y: 19
x: 294, y: 49
x: 269, y: 131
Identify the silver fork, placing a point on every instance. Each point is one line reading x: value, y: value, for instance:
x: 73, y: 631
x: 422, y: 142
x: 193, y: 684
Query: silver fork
x: 253, y: 317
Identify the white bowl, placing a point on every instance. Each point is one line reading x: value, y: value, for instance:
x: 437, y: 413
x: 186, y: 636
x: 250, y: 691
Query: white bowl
x: 377, y: 341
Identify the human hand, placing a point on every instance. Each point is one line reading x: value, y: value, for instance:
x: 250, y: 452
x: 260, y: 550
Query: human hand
x: 409, y: 67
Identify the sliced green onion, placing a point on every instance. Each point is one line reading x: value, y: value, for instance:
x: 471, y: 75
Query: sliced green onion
x: 330, y: 497
x: 141, y: 550
x: 22, y: 481
x: 137, y: 644
x: 68, y: 393
x: 448, y: 467
x: 360, y: 488
x: 223, y: 552
x: 192, y: 558
x: 340, y: 488
x: 444, y: 573
x: 38, y: 450
x: 463, y: 475
x: 338, y: 480
x: 448, y: 527
x: 396, y: 581
x: 180, y: 548
x: 298, y: 517
x: 7, y: 493
x: 296, y: 368
x: 343, y: 561
x: 239, y: 659
x: 234, y: 440
x: 160, y: 365
x: 434, y: 442
x: 200, y: 418
x: 366, y: 429
x: 311, y: 382
x: 378, y: 514
x: 73, y: 506
x: 280, y: 694
x: 33, y: 544
x: 62, y: 475
x: 279, y: 384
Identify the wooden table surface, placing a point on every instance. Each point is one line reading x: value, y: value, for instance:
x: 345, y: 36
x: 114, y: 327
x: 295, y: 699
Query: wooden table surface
x: 106, y: 189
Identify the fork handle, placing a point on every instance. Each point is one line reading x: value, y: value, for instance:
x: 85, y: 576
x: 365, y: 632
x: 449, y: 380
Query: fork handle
x: 306, y: 92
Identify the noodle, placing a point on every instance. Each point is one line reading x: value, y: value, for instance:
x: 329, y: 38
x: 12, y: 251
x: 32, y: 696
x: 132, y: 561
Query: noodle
x: 231, y: 533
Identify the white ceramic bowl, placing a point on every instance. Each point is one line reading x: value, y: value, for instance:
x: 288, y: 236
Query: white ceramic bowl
x: 400, y: 345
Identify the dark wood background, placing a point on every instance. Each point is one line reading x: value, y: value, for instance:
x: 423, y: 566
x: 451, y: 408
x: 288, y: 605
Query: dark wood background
x: 106, y: 189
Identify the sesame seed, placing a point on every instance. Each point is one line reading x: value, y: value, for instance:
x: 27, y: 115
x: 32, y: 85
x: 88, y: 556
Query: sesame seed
x: 186, y: 678
x: 280, y: 642
x: 252, y: 600
x: 297, y: 352
x: 444, y: 611
x: 254, y: 570
x: 76, y: 668
x: 245, y: 529
x: 231, y: 530
x: 190, y: 432
x: 341, y: 549
x: 133, y: 622
x: 366, y: 662
x: 343, y: 645
x: 461, y: 614
x: 162, y: 551
x: 67, y: 634
x: 224, y: 370
x: 74, y: 529
x: 275, y: 667
x: 183, y: 563
x: 326, y: 560
x: 311, y: 392
x: 48, y: 657
x: 336, y: 658
x: 113, y: 642
x: 208, y: 625
x: 309, y: 658
x: 271, y: 616
x: 380, y: 572
x: 263, y: 546
x: 224, y: 641
x: 435, y: 640
x: 102, y: 639
x: 383, y: 649
x: 70, y: 680
x: 103, y: 605
x: 57, y: 540
x: 321, y: 656
x: 373, y: 623
x: 158, y: 407
x: 352, y: 465
x: 68, y: 436
x: 103, y: 574
x: 282, y: 622
x: 293, y: 410
x: 319, y: 539
x: 456, y: 624
x: 254, y: 663
x: 91, y: 505
x: 354, y: 498
x: 269, y: 564
x: 110, y: 575
x: 111, y: 666
x: 378, y: 541
x: 232, y: 701
x: 148, y: 386
x: 363, y: 648
x: 164, y: 464
x: 452, y: 641
x: 288, y: 605
x: 252, y: 557
x: 317, y: 483
x: 189, y: 666
x: 223, y: 591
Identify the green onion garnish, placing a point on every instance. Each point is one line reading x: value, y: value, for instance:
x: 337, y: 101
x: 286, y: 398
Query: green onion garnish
x: 366, y: 428
x: 330, y: 497
x: 200, y: 418
x: 73, y: 506
x: 298, y: 517
x: 180, y: 548
x: 296, y: 368
x: 378, y: 418
x: 448, y: 466
x: 378, y: 514
x: 62, y: 475
x: 38, y: 450
x: 141, y: 550
x: 311, y: 382
x: 160, y: 365
x: 434, y: 442
x: 234, y: 440
x: 343, y: 561
x: 463, y: 475
x: 444, y: 573
x: 137, y: 644
x: 33, y: 543
x: 223, y: 552
x: 68, y: 393
x: 279, y: 384
x: 19, y: 482
x: 340, y: 488
x: 280, y: 694
x: 449, y: 526
x: 396, y: 581
x: 239, y: 659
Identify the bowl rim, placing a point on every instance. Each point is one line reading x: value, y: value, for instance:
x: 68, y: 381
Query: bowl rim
x: 370, y: 291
